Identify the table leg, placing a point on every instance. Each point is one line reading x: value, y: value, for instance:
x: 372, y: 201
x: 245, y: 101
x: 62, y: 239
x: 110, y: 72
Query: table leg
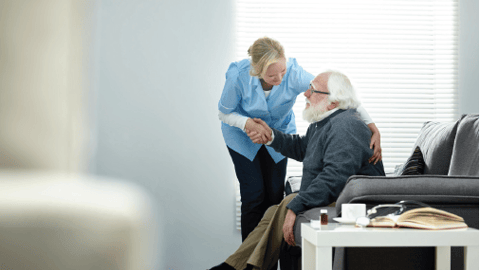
x: 471, y: 257
x: 308, y: 255
x: 324, y: 258
x: 316, y: 258
x: 442, y: 258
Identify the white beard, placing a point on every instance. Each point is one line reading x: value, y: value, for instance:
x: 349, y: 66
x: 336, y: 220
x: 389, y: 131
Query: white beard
x: 315, y: 113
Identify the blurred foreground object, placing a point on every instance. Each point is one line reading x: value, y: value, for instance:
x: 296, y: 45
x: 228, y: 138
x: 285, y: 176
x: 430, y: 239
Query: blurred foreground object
x: 66, y: 221
x: 44, y: 56
x: 60, y: 219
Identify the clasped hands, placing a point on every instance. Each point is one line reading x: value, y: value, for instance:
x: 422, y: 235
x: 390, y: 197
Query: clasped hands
x: 258, y: 131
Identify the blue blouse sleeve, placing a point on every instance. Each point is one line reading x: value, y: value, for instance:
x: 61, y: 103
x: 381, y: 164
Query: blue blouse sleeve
x: 299, y: 78
x: 231, y: 94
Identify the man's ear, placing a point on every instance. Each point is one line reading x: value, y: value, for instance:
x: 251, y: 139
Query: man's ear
x: 332, y: 105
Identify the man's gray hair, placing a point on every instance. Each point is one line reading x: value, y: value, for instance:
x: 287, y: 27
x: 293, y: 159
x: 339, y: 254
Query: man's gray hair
x: 342, y: 90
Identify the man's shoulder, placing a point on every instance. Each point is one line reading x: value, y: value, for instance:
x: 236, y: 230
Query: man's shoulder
x: 347, y: 118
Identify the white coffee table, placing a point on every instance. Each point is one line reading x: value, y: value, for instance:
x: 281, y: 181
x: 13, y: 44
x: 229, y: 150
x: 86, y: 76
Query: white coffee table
x: 317, y: 243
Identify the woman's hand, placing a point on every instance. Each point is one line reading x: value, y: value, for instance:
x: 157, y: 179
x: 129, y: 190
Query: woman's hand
x: 375, y: 144
x: 258, y: 131
x: 256, y: 138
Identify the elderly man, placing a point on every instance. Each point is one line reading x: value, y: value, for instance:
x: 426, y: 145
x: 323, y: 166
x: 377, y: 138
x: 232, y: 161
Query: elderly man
x: 335, y: 147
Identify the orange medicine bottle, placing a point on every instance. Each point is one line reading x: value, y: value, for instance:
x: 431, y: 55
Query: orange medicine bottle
x: 323, y: 217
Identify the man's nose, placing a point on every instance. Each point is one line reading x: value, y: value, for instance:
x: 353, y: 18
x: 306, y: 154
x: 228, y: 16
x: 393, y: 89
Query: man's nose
x: 306, y: 93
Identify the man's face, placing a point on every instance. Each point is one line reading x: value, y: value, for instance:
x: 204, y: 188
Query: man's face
x: 320, y: 84
x: 317, y: 103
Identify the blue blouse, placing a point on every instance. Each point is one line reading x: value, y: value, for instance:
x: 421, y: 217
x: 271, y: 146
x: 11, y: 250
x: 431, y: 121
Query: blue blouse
x: 244, y: 95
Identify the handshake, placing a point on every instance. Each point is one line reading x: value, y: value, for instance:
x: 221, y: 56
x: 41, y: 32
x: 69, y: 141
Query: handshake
x: 258, y: 131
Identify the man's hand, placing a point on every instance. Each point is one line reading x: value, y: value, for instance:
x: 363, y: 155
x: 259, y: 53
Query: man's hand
x: 258, y: 131
x: 288, y: 228
x: 256, y: 138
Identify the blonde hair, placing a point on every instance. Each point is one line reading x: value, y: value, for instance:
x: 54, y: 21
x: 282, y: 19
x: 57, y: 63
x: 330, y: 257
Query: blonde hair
x: 264, y: 52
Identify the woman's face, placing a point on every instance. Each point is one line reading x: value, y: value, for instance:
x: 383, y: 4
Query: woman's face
x: 275, y: 72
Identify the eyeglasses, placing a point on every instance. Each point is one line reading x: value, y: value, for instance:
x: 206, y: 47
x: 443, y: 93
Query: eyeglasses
x: 312, y: 90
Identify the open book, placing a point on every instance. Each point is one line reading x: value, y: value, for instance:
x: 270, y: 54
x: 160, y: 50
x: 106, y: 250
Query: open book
x: 421, y: 218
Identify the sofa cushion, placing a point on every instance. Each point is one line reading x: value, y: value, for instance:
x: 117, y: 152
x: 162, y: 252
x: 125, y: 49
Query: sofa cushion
x: 414, y: 165
x: 465, y: 148
x: 436, y: 141
x: 429, y: 189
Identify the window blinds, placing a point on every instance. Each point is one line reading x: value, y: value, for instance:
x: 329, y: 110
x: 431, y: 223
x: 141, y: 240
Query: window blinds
x: 400, y: 55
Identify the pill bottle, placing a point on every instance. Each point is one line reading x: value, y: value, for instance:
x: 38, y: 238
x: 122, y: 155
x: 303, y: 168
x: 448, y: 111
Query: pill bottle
x: 323, y: 217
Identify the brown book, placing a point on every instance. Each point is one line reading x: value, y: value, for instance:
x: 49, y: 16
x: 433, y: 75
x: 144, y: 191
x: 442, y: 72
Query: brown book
x: 421, y: 218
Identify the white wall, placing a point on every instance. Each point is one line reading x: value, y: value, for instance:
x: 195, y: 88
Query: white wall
x: 159, y: 69
x: 468, y: 56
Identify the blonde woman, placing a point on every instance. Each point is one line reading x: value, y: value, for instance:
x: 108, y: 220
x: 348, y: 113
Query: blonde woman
x: 264, y: 87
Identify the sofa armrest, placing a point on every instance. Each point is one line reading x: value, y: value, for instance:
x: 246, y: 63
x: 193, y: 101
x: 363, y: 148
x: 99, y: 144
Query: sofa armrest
x: 292, y: 184
x: 430, y: 189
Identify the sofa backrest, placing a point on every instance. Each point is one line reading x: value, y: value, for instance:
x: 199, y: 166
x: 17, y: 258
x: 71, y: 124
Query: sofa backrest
x: 436, y: 140
x: 465, y: 148
x: 450, y: 148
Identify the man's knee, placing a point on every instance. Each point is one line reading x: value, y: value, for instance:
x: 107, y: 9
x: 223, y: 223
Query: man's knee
x: 272, y: 209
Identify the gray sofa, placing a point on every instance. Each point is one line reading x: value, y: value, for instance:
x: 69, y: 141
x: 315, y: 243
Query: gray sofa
x: 444, y: 175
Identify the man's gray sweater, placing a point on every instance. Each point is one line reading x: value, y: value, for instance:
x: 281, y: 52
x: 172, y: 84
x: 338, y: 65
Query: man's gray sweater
x: 332, y: 150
